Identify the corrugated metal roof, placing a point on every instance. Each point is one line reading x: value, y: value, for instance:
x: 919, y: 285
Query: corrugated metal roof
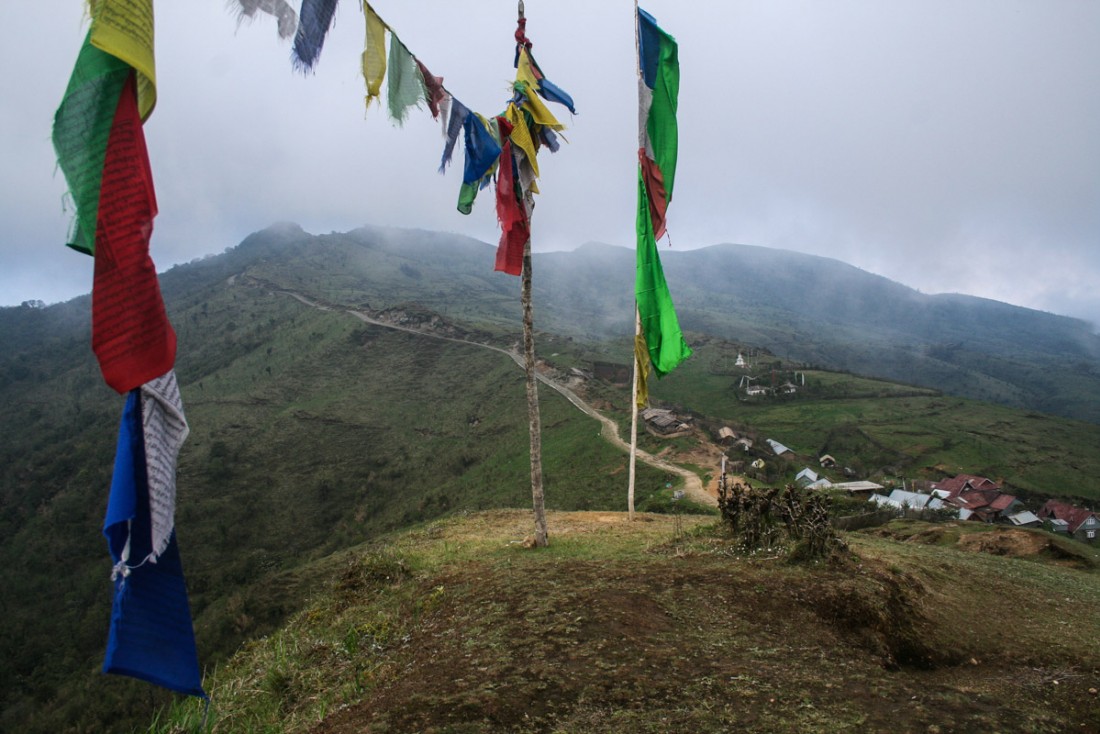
x: 863, y: 486
x: 777, y: 447
x: 1024, y: 518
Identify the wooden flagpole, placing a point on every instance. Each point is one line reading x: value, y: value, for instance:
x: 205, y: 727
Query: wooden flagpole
x: 637, y: 316
x: 537, y: 496
x: 634, y: 417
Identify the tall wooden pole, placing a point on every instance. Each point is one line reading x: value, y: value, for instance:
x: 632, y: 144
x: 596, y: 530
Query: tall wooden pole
x: 634, y: 417
x: 637, y: 314
x: 537, y: 497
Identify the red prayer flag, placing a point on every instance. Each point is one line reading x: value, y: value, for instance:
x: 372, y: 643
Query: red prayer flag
x: 131, y: 335
x: 514, y: 229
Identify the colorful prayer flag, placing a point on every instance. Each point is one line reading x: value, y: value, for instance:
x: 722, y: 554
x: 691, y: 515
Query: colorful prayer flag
x: 374, y: 54
x: 658, y: 90
x: 280, y: 9
x: 151, y: 635
x: 314, y: 21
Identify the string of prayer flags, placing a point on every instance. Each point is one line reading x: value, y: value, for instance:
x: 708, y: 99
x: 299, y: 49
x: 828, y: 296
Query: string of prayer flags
x: 409, y: 82
x: 518, y: 133
x: 151, y: 635
x: 314, y: 21
x: 658, y: 89
x: 101, y: 150
x: 280, y: 9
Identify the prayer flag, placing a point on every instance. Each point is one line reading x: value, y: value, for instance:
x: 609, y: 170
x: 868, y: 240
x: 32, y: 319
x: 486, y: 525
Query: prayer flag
x: 280, y: 9
x: 374, y: 54
x: 434, y: 92
x: 405, y: 83
x: 658, y: 89
x: 455, y: 125
x: 514, y: 227
x: 314, y: 21
x: 151, y: 635
x: 131, y: 335
x: 482, y: 153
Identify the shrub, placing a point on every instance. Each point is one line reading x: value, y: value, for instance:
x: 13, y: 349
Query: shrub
x: 769, y: 518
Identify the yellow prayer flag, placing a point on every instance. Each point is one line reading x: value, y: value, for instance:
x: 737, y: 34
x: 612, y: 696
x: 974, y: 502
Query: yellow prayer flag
x: 641, y: 358
x: 124, y: 29
x: 534, y: 105
x: 521, y: 135
x: 374, y: 54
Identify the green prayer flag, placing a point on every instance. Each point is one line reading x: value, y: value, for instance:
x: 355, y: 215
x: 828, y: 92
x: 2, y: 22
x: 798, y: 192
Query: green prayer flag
x: 406, y: 83
x: 81, y: 130
x: 660, y: 327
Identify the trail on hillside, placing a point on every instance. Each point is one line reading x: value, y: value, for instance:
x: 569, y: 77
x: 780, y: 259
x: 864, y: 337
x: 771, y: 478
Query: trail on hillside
x: 693, y: 485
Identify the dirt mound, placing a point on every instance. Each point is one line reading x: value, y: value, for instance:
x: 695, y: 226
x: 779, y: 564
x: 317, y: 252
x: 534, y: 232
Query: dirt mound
x: 1005, y: 542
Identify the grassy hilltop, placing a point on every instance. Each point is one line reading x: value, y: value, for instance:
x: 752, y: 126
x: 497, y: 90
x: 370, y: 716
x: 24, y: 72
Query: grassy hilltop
x: 657, y: 626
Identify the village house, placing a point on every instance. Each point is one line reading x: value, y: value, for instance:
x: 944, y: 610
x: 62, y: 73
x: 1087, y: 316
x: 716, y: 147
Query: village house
x: 729, y: 437
x: 1078, y: 522
x: 1025, y: 519
x: 977, y: 498
x: 805, y: 477
x: 901, y: 499
x: 960, y: 482
x: 863, y: 487
x: 664, y: 423
x: 777, y: 447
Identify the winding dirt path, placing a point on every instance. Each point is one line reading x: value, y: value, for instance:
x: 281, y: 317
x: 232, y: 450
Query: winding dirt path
x: 693, y: 485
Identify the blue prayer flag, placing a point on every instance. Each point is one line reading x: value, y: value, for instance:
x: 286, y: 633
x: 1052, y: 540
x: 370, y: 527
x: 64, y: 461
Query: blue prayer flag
x: 151, y: 635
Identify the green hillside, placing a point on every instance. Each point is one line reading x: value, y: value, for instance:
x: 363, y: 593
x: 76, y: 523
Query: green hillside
x: 311, y: 432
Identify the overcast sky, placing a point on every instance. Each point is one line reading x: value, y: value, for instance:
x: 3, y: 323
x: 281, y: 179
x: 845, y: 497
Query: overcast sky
x: 951, y: 145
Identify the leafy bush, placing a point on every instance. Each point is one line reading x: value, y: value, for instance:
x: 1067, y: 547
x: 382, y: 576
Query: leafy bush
x: 788, y: 519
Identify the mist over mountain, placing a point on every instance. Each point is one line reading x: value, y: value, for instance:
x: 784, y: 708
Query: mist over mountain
x: 806, y: 308
x: 825, y: 312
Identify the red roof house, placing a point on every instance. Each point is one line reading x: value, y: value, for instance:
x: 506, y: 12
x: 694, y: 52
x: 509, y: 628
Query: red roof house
x: 959, y: 482
x: 1082, y: 524
x: 977, y: 498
